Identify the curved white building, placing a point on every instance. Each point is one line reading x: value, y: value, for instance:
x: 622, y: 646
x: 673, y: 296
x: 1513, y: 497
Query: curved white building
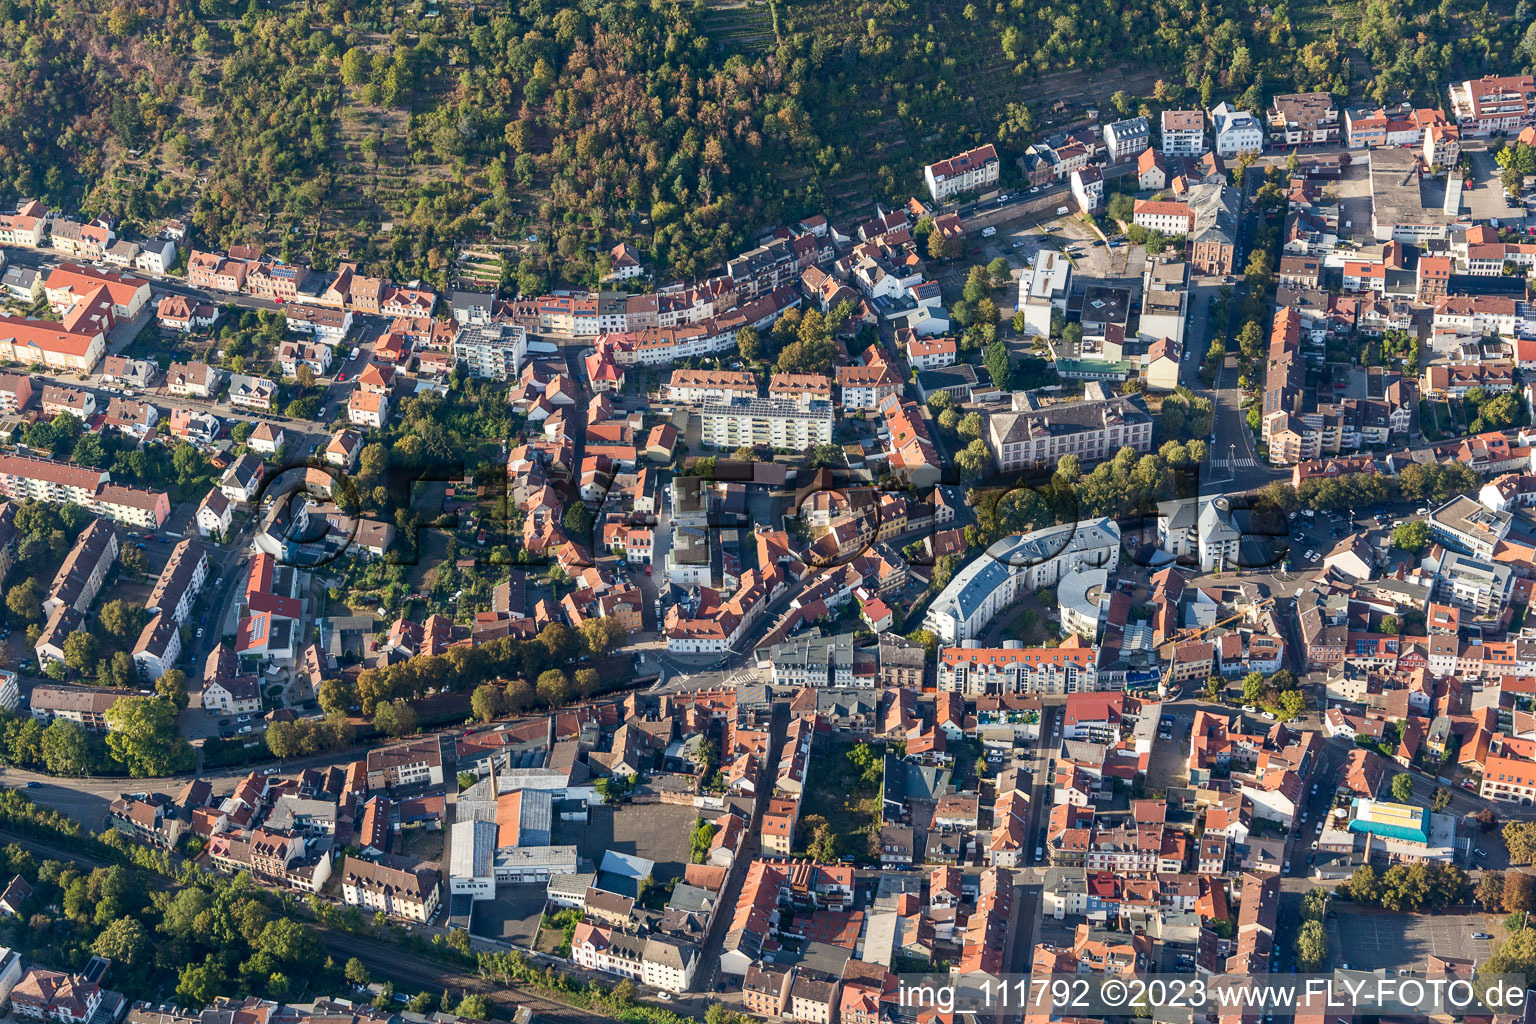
x: 1083, y: 598
x: 994, y: 579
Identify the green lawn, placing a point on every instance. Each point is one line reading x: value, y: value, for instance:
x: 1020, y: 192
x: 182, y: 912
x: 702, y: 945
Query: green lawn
x: 839, y: 794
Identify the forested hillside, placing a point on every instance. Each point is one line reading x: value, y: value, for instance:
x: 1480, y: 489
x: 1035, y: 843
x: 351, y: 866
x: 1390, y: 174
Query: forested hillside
x: 394, y: 132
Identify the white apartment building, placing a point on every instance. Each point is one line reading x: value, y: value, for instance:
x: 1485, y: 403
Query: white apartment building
x: 699, y: 386
x: 1014, y: 668
x: 1167, y: 216
x: 1237, y: 131
x: 993, y: 580
x: 1043, y: 288
x: 1124, y: 139
x: 1183, y: 133
x: 766, y: 421
x: 491, y: 351
x: 971, y: 170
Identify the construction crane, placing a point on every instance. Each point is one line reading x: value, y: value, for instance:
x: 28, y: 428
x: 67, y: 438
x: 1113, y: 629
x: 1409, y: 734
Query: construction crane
x: 1250, y: 609
x: 1167, y: 686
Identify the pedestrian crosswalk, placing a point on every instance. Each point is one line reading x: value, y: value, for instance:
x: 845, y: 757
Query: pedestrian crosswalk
x: 1233, y: 463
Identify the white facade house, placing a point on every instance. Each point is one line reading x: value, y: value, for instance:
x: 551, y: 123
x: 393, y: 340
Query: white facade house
x: 1124, y: 139
x: 1237, y: 131
x: 1043, y: 289
x: 967, y: 172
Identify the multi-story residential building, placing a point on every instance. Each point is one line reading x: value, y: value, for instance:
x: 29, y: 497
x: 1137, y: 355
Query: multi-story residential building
x: 24, y: 229
x: 27, y: 341
x: 1123, y: 140
x: 968, y: 172
x: 700, y: 386
x: 406, y: 764
x: 1183, y: 133
x: 83, y: 705
x: 25, y: 476
x: 278, y: 281
x: 668, y: 964
x: 1475, y: 315
x: 1433, y: 279
x: 233, y: 695
x: 1168, y: 216
x: 42, y: 994
x: 600, y: 948
x: 76, y: 401
x: 24, y: 284
x: 293, y: 354
x: 80, y: 575
x: 1456, y: 379
x: 85, y: 241
x: 210, y: 271
x: 1442, y: 145
x: 865, y: 387
x: 1032, y: 436
x: 327, y: 324
x: 1088, y: 188
x: 993, y: 581
x: 491, y: 351
x: 412, y: 895
x: 69, y: 283
x: 818, y: 661
x: 976, y: 671
x: 1511, y: 779
x: 156, y: 255
x: 158, y: 647
x: 757, y: 272
x: 1303, y: 119
x: 766, y: 421
x: 178, y: 584
x: 1494, y: 103
x: 368, y: 409
x: 930, y: 353
x: 1236, y: 131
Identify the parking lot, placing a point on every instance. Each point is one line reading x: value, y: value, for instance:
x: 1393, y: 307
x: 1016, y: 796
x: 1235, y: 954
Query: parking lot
x: 1371, y: 940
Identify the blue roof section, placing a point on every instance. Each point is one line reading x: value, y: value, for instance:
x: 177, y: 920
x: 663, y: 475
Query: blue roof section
x: 1376, y: 828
